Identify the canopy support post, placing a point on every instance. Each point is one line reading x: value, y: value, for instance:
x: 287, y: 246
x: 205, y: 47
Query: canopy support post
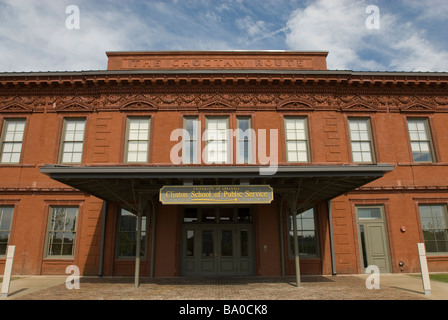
x: 140, y: 206
x: 292, y: 198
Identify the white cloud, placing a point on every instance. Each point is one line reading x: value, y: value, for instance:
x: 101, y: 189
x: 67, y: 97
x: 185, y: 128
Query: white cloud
x: 340, y: 28
x: 251, y: 27
x: 34, y: 36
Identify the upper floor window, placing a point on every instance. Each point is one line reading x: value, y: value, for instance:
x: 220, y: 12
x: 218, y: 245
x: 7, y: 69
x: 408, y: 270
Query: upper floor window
x: 217, y: 140
x: 244, y: 140
x: 297, y: 145
x: 190, y: 140
x: 12, y: 138
x: 5, y: 227
x: 137, y: 146
x: 72, y: 140
x: 361, y: 140
x: 420, y: 137
x: 434, y: 219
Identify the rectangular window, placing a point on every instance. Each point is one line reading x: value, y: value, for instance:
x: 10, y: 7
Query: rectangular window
x: 217, y: 140
x: 420, y: 137
x: 5, y: 227
x: 434, y: 221
x: 296, y: 139
x: 361, y: 140
x: 244, y: 140
x: 127, y: 235
x: 62, y: 231
x: 12, y: 138
x: 306, y: 234
x: 72, y: 140
x: 137, y: 145
x: 190, y: 140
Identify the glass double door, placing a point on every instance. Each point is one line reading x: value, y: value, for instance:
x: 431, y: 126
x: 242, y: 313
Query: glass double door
x: 217, y: 250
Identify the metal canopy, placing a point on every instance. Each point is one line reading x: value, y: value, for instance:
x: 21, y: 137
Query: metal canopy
x: 122, y: 183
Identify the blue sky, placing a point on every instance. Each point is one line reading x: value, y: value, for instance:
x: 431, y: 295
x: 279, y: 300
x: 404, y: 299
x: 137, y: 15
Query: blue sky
x: 412, y: 34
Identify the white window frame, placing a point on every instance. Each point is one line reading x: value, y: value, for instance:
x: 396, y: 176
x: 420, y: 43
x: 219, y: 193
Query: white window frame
x: 72, y: 142
x: 244, y: 138
x: 214, y: 141
x: 294, y: 134
x: 191, y: 141
x: 420, y: 138
x: 436, y: 228
x: 12, y: 140
x: 51, y: 231
x: 361, y: 141
x: 137, y: 139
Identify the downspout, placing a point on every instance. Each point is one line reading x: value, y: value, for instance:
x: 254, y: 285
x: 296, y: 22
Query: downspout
x: 330, y: 224
x: 138, y: 242
x: 282, y: 246
x: 153, y: 237
x: 103, y: 231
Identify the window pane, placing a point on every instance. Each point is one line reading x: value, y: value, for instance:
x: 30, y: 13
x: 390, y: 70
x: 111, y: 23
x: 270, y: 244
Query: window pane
x: 190, y: 215
x: 217, y: 140
x: 434, y: 222
x: 226, y: 215
x: 296, y: 140
x: 190, y: 243
x: 73, y: 141
x: 360, y: 140
x: 11, y: 145
x: 138, y: 139
x: 207, y: 244
x: 226, y: 243
x: 127, y: 235
x: 62, y: 232
x: 244, y: 242
x: 306, y: 234
x: 244, y: 215
x: 420, y: 140
x: 369, y: 213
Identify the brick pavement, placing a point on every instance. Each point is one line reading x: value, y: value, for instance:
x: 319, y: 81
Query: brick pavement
x: 313, y: 288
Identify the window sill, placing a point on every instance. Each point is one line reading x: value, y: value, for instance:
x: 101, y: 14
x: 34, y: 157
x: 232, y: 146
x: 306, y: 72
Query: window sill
x: 59, y: 259
x: 16, y: 165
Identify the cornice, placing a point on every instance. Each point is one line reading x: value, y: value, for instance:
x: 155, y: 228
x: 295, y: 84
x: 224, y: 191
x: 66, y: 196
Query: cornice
x: 226, y: 92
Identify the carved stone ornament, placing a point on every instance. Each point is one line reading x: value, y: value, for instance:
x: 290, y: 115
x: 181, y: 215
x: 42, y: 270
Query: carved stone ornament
x: 72, y: 107
x: 15, y: 108
x: 138, y: 105
x: 295, y: 106
x: 417, y: 107
x: 358, y: 107
x: 217, y: 105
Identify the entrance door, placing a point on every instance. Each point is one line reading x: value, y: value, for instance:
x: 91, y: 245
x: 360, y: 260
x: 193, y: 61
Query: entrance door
x: 373, y: 240
x: 221, y: 248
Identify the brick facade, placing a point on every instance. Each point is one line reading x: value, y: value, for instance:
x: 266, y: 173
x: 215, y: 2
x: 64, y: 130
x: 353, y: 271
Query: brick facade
x: 328, y: 99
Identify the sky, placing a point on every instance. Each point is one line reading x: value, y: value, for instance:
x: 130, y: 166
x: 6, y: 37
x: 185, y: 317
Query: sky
x: 360, y: 35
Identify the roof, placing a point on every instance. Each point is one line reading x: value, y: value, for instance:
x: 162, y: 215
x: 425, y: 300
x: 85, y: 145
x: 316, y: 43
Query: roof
x: 122, y: 183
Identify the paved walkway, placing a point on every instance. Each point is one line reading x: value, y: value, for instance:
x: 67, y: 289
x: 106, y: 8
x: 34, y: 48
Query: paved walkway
x: 341, y: 287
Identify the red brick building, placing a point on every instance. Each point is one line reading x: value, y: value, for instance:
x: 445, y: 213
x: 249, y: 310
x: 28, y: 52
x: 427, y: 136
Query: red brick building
x: 361, y: 157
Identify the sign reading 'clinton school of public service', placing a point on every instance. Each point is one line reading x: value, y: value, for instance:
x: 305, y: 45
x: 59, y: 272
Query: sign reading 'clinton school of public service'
x: 231, y: 194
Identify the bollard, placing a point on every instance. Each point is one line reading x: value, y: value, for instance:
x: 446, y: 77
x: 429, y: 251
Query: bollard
x: 8, y: 270
x: 424, y: 268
